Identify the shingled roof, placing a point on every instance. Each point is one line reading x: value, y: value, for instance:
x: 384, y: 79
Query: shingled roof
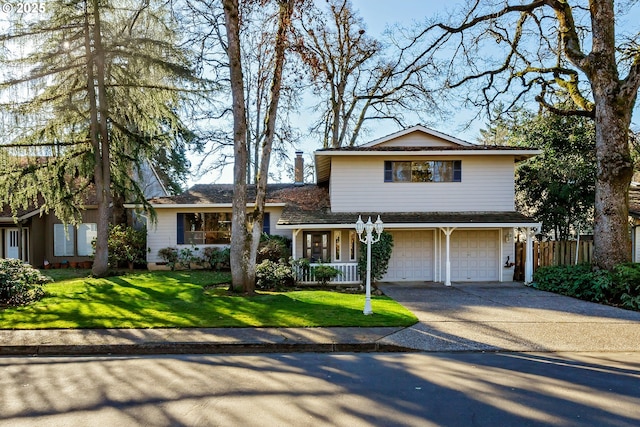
x: 310, y: 205
x: 316, y: 210
x: 212, y: 194
x: 7, y: 215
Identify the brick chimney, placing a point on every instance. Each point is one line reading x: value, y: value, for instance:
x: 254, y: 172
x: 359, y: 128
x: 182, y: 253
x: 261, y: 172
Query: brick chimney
x: 298, y: 170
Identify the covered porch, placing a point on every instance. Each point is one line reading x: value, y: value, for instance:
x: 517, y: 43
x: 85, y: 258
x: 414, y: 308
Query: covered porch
x: 428, y: 247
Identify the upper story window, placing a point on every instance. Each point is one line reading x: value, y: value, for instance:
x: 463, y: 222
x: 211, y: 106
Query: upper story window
x: 423, y: 171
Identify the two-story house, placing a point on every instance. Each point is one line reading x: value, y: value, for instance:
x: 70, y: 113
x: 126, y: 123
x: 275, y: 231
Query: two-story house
x: 448, y: 204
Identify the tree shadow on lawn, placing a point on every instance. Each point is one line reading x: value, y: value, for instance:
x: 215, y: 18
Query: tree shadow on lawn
x: 116, y: 302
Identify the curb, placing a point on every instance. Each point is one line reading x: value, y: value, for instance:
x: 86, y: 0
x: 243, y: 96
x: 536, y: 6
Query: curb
x: 195, y: 348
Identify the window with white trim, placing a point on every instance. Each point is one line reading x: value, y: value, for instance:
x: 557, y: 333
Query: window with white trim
x: 87, y: 233
x: 337, y: 245
x: 63, y: 237
x: 352, y: 245
x: 423, y: 171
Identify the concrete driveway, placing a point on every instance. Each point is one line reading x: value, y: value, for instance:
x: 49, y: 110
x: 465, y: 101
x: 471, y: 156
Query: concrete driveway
x: 509, y: 317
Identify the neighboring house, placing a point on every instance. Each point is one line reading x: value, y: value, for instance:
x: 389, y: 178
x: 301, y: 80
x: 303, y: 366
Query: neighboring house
x: 448, y: 204
x: 15, y: 235
x: 35, y: 237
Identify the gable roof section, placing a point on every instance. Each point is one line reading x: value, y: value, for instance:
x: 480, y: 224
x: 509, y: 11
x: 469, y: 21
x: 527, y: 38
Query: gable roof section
x: 412, y: 135
x: 221, y: 195
x: 416, y: 141
x: 7, y: 216
x: 319, y: 215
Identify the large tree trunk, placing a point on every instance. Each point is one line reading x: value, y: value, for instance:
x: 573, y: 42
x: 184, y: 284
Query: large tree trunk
x: 612, y: 244
x: 244, y: 242
x: 613, y: 107
x: 101, y: 262
x: 241, y: 275
x: 284, y: 22
x: 98, y: 136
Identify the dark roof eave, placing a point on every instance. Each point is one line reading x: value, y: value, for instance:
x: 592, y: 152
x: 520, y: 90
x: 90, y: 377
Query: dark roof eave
x: 504, y: 148
x: 401, y: 219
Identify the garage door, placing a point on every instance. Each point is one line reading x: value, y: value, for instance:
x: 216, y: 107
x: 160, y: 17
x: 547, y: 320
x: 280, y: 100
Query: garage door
x: 474, y: 255
x: 412, y: 256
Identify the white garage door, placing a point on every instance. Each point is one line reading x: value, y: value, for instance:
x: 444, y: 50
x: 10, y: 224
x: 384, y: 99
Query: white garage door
x: 412, y: 256
x: 474, y: 255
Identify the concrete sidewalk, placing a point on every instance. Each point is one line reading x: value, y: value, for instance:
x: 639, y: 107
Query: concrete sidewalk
x: 464, y: 317
x: 194, y: 341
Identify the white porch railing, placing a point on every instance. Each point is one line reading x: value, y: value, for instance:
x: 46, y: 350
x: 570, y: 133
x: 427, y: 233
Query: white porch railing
x: 348, y: 273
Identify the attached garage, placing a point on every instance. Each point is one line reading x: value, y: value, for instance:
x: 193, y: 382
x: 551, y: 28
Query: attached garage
x: 412, y: 256
x: 475, y: 255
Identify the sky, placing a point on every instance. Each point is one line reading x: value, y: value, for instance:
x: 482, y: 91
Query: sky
x: 377, y: 16
x: 380, y: 14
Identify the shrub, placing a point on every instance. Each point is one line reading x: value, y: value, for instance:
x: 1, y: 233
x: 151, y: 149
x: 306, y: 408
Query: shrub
x: 273, y: 247
x: 170, y: 256
x: 619, y: 287
x: 20, y: 283
x: 127, y: 245
x: 380, y: 255
x: 577, y: 281
x: 188, y: 256
x: 324, y: 273
x: 273, y: 275
x: 626, y: 285
x: 218, y: 259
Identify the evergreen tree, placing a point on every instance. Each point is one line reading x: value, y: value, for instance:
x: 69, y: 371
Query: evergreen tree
x: 99, y: 87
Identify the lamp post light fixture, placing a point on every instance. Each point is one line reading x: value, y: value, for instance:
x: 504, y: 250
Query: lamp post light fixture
x: 368, y: 239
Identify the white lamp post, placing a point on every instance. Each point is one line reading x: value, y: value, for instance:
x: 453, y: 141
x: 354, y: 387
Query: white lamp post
x: 368, y: 239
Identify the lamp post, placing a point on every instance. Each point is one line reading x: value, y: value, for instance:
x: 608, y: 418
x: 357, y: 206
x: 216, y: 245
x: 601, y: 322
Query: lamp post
x: 368, y: 239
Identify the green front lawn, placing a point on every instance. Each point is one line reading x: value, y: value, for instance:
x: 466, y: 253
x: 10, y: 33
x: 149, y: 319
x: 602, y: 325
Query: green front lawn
x: 190, y: 299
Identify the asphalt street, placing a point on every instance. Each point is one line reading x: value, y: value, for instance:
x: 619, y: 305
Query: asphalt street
x: 338, y: 389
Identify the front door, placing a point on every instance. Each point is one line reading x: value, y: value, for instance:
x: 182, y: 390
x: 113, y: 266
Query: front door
x: 12, y: 243
x: 317, y: 246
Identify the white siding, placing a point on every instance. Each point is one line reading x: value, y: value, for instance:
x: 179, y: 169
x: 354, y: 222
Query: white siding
x: 163, y: 234
x: 357, y: 184
x: 274, y: 216
x: 417, y: 139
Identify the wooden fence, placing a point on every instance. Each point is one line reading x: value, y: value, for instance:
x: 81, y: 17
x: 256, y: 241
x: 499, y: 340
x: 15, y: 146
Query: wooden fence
x: 552, y: 253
